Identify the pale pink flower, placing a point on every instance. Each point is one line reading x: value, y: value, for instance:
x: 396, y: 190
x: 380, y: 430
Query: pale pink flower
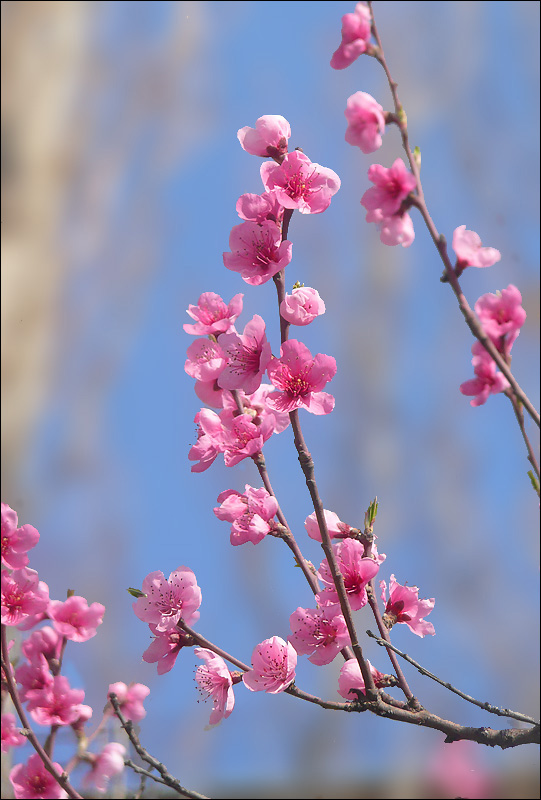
x: 23, y: 596
x: 250, y: 513
x: 259, y: 207
x: 257, y: 251
x: 392, y: 186
x: 355, y: 37
x: 470, y: 252
x: 302, y: 306
x: 210, y: 393
x: 212, y: 315
x: 214, y: 678
x: 247, y: 356
x: 404, y: 606
x: 242, y: 438
x: 299, y: 183
x: 502, y: 317
x: 319, y: 632
x: 356, y: 570
x: 130, y: 699
x: 299, y: 378
x: 210, y: 440
x: 11, y: 736
x: 351, y: 677
x: 489, y: 380
x: 335, y: 526
x: 366, y: 122
x: 206, y: 360
x: 257, y: 408
x: 108, y: 763
x: 394, y: 230
x: 33, y: 677
x: 269, y: 137
x: 167, y: 601
x: 55, y: 704
x: 16, y: 541
x: 45, y: 642
x: 85, y: 713
x: 75, y: 619
x: 165, y: 647
x: 33, y: 781
x: 273, y: 662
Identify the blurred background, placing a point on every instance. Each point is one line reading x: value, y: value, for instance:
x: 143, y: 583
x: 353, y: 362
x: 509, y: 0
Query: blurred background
x: 121, y: 170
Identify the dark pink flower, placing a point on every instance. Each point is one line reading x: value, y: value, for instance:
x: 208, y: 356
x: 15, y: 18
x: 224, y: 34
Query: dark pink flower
x: 165, y: 647
x: 273, y: 662
x: 269, y: 137
x: 366, y: 122
x: 44, y: 642
x: 319, y: 632
x: 351, y: 677
x: 244, y: 439
x: 392, y: 186
x: 356, y: 570
x: 247, y: 356
x: 108, y: 763
x: 33, y: 677
x: 167, y: 601
x: 75, y: 619
x: 212, y: 315
x: 256, y: 407
x: 11, y: 736
x: 56, y: 704
x: 16, y: 542
x: 489, y: 380
x: 259, y: 207
x: 502, y: 317
x: 257, y: 251
x: 299, y: 183
x: 302, y: 306
x: 355, y: 37
x: 470, y: 252
x: 23, y: 596
x: 299, y: 378
x: 32, y: 780
x: 214, y: 678
x: 335, y: 526
x: 130, y: 699
x: 250, y: 513
x: 206, y: 360
x: 404, y: 606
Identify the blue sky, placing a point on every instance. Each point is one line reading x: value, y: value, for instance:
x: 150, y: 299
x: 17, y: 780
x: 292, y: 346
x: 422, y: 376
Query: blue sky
x: 107, y: 475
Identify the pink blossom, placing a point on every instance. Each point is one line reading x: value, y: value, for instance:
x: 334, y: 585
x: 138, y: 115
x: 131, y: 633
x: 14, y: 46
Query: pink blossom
x: 299, y: 379
x: 11, y: 736
x: 247, y: 356
x: 335, y: 526
x: 56, y: 704
x: 470, y: 252
x: 108, y: 763
x: 250, y: 513
x: 214, y: 678
x: 355, y: 37
x: 32, y: 780
x: 16, y: 541
x: 319, y: 632
x: 167, y: 601
x: 165, y: 647
x: 210, y: 440
x: 273, y: 662
x: 351, y: 678
x: 489, y: 380
x: 302, y: 306
x: 130, y: 699
x: 85, y: 713
x: 257, y: 408
x: 356, y: 570
x: 404, y: 606
x: 394, y: 230
x: 212, y: 315
x: 210, y: 393
x: 392, y: 186
x: 366, y: 122
x: 242, y: 438
x: 299, y: 183
x: 75, y: 619
x: 206, y: 360
x: 457, y: 771
x: 257, y: 251
x: 269, y: 137
x: 33, y: 677
x: 44, y: 642
x: 259, y: 207
x: 502, y: 317
x: 23, y: 596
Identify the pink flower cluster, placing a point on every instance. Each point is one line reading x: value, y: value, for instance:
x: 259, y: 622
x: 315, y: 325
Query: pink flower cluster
x: 384, y: 202
x: 251, y: 513
x: 355, y: 37
x: 502, y: 317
